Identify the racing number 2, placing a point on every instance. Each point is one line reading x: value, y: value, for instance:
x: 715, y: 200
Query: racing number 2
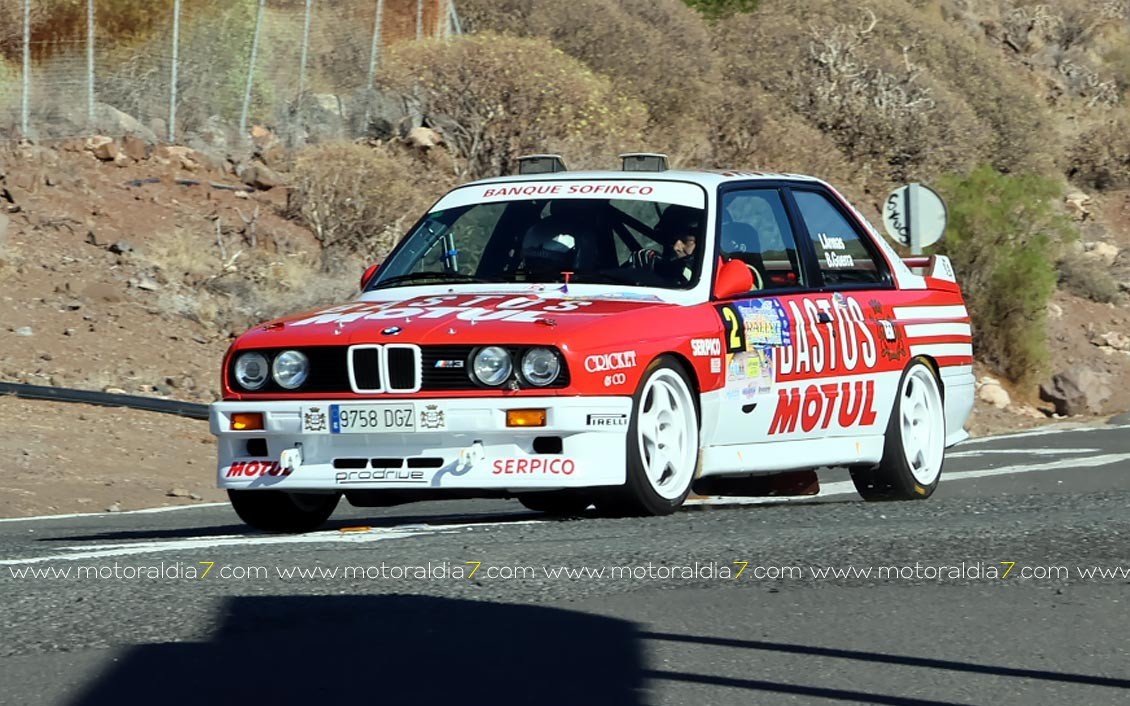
x: 735, y: 331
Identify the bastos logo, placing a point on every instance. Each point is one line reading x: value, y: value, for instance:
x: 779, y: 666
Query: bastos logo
x: 842, y: 345
x: 610, y: 361
x: 848, y: 404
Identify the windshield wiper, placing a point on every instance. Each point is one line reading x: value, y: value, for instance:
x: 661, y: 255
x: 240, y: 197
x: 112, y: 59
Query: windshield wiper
x: 440, y: 276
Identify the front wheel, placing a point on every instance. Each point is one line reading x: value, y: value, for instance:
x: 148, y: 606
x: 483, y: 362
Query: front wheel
x: 663, y: 448
x: 279, y: 511
x: 915, y: 441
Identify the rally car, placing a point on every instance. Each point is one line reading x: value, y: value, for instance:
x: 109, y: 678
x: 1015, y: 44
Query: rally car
x: 614, y: 339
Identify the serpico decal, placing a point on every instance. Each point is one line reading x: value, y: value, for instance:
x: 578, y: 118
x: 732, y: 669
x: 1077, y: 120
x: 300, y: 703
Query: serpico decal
x: 704, y: 347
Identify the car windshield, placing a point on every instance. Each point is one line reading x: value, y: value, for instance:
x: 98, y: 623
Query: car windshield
x: 631, y: 242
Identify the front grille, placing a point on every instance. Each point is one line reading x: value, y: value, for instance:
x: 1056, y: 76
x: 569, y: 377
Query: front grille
x: 410, y: 368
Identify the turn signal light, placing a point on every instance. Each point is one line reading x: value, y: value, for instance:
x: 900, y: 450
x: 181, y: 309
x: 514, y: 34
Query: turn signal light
x: 525, y: 417
x: 247, y: 421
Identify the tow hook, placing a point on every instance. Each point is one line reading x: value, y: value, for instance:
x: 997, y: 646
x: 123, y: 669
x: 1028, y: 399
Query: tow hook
x: 291, y: 459
x: 469, y: 456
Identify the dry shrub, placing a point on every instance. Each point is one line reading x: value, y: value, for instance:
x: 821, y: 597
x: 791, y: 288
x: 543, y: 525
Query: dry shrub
x: 898, y: 89
x: 1100, y: 157
x: 655, y: 51
x: 358, y: 199
x: 1085, y: 277
x: 496, y: 98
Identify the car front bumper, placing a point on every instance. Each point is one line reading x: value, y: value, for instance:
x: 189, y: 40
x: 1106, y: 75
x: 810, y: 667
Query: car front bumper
x: 458, y: 443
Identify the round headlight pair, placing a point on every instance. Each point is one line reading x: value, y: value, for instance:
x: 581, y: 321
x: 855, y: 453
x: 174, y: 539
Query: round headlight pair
x: 289, y: 370
x: 493, y: 366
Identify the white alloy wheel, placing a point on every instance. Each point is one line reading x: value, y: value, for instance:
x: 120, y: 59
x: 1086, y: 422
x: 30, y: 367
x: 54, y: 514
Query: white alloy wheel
x: 922, y: 424
x: 667, y: 434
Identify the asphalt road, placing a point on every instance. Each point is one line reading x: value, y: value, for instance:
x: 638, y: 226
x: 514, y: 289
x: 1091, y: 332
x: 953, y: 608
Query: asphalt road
x: 668, y: 621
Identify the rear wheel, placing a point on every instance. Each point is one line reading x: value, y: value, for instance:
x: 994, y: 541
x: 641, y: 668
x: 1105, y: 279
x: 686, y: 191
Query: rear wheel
x: 662, y: 444
x: 915, y: 442
x: 278, y: 511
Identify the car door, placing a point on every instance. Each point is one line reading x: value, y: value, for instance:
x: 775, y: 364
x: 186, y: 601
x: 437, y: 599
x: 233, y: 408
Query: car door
x: 839, y: 377
x: 755, y: 227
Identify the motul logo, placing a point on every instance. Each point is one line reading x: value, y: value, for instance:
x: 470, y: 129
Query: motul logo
x: 254, y: 469
x: 847, y: 404
x: 610, y: 361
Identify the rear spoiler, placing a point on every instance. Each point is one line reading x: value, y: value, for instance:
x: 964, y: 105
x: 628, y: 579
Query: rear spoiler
x: 936, y: 266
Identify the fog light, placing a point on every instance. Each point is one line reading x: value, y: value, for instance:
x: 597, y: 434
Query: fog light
x: 525, y: 417
x: 247, y: 421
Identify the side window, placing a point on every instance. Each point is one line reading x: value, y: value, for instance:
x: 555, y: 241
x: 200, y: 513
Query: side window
x: 843, y: 256
x: 755, y: 229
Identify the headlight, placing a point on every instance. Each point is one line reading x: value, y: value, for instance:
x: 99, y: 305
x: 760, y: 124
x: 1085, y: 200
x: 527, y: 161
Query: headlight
x: 290, y: 369
x: 540, y: 366
x: 251, y: 370
x: 492, y: 366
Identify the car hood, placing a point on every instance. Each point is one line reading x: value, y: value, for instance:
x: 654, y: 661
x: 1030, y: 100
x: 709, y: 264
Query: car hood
x: 454, y: 319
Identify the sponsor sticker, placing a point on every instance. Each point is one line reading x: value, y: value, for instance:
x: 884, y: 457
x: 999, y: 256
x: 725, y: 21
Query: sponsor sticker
x: 715, y: 365
x: 765, y: 323
x: 534, y: 465
x: 381, y: 475
x: 847, y: 404
x: 256, y: 469
x: 606, y: 362
x: 608, y: 420
x: 704, y: 347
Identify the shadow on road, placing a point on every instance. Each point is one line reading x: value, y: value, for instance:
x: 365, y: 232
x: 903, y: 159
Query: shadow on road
x: 387, y: 650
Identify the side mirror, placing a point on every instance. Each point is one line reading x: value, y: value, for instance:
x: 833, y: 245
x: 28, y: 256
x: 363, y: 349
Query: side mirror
x: 733, y: 278
x: 370, y: 273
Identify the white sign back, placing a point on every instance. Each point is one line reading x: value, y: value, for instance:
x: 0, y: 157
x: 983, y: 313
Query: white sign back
x: 915, y: 216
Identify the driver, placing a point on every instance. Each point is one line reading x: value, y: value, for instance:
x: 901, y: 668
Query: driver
x: 678, y: 228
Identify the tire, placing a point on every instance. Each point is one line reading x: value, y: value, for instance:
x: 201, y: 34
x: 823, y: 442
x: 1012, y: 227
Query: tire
x: 914, y: 446
x: 279, y: 511
x: 562, y: 503
x: 663, y: 444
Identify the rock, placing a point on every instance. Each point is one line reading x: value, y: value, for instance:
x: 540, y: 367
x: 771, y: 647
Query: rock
x: 1113, y: 339
x: 136, y: 148
x: 72, y: 305
x: 121, y: 247
x: 242, y: 194
x: 995, y: 395
x: 102, y: 147
x: 423, y: 138
x: 148, y: 284
x: 1077, y: 203
x: 260, y: 176
x: 215, y: 133
x: 1077, y: 392
x: 114, y: 508
x: 1105, y: 253
x: 114, y: 391
x: 177, y: 493
x: 1055, y: 311
x: 195, y: 496
x: 263, y: 138
x: 3, y: 227
x: 112, y: 121
x: 184, y: 157
x: 121, y: 159
x: 159, y: 128
x: 69, y: 332
x: 25, y: 331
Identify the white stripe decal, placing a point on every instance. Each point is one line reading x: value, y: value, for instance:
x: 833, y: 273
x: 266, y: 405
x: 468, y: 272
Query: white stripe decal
x: 939, y: 350
x: 922, y: 330
x: 931, y: 312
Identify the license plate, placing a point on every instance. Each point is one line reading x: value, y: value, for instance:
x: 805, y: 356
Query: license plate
x: 371, y: 418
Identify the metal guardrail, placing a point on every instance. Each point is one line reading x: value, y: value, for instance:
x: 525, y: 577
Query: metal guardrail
x: 191, y: 410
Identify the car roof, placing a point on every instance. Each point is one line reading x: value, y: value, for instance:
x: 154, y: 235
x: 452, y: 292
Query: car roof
x: 708, y: 178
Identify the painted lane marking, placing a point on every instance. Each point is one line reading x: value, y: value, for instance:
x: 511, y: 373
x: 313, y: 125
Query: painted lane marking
x: 1045, y: 432
x: 1021, y: 452
x: 103, y: 551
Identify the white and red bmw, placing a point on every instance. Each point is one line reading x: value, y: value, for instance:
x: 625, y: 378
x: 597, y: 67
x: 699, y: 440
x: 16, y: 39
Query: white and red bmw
x: 613, y: 338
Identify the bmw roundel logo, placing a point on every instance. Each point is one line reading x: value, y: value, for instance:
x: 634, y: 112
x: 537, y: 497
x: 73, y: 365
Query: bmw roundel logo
x: 392, y: 330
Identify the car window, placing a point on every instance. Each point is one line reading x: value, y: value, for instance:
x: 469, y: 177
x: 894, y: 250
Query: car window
x: 755, y: 229
x: 844, y: 257
x: 629, y: 242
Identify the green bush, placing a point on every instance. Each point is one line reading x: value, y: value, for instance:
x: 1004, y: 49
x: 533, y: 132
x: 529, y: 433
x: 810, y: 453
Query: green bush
x: 496, y: 98
x: 1004, y: 237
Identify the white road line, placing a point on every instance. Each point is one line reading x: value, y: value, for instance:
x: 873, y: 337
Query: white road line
x: 376, y: 534
x: 1044, y: 431
x: 147, y: 511
x: 1021, y: 452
